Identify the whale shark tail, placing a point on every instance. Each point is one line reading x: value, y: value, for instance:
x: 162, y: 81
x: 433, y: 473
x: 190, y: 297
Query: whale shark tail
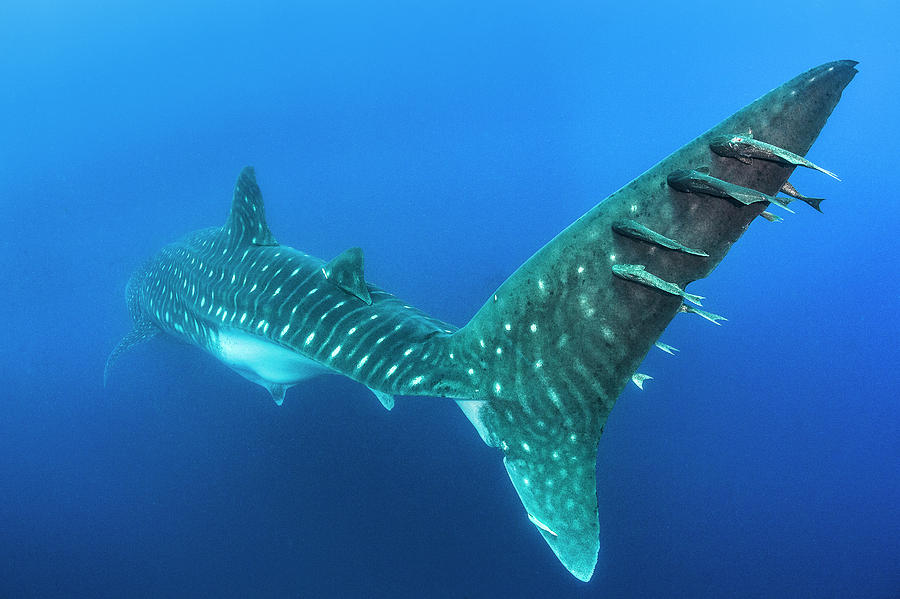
x: 560, y: 339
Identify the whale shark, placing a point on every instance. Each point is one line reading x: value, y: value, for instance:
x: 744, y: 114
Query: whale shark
x: 539, y: 367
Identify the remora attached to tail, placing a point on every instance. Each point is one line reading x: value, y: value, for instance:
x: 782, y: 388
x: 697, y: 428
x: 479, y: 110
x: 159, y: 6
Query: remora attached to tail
x: 539, y: 367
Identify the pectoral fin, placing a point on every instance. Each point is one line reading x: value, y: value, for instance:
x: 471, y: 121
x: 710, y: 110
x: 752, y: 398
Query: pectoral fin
x: 142, y: 331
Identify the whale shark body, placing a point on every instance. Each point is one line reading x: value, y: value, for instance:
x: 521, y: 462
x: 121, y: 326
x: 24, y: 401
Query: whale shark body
x: 539, y: 367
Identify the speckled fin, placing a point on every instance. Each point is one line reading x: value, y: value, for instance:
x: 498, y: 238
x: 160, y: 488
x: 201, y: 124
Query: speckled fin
x: 142, y: 331
x: 553, y: 347
x: 346, y: 271
x: 556, y: 482
x: 246, y: 224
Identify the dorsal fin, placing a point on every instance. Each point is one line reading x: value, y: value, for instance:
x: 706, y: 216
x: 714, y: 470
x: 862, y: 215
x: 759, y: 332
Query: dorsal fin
x: 246, y: 224
x: 346, y: 271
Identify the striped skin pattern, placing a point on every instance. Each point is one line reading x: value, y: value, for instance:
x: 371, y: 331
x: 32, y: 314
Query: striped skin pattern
x: 238, y: 277
x: 540, y: 366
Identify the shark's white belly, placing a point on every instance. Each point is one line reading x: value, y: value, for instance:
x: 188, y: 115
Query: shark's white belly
x: 262, y: 361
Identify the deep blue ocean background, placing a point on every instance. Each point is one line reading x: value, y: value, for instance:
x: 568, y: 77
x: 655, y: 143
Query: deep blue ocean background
x: 450, y: 140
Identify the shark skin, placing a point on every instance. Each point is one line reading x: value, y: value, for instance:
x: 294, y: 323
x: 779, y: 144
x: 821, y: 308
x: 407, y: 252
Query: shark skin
x: 279, y: 316
x: 538, y: 369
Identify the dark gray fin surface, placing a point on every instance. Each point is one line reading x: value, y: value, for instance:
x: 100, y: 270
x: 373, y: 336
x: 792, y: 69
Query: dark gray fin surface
x: 772, y: 218
x: 246, y: 224
x: 346, y: 272
x: 142, y: 331
x: 386, y: 399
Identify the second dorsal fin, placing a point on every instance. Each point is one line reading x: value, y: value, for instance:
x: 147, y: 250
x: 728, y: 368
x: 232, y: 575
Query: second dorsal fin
x: 246, y: 224
x: 346, y: 271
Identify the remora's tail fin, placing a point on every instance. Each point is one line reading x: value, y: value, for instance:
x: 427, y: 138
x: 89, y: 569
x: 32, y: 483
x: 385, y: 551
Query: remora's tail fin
x: 563, y: 336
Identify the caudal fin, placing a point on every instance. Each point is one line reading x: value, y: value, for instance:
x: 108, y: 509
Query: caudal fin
x: 555, y: 345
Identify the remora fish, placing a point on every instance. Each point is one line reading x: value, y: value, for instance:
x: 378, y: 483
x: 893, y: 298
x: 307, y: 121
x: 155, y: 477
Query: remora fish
x: 745, y: 148
x: 638, y: 273
x: 539, y: 367
x: 691, y: 181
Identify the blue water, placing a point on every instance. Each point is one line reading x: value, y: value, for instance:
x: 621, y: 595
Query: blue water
x: 450, y: 142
